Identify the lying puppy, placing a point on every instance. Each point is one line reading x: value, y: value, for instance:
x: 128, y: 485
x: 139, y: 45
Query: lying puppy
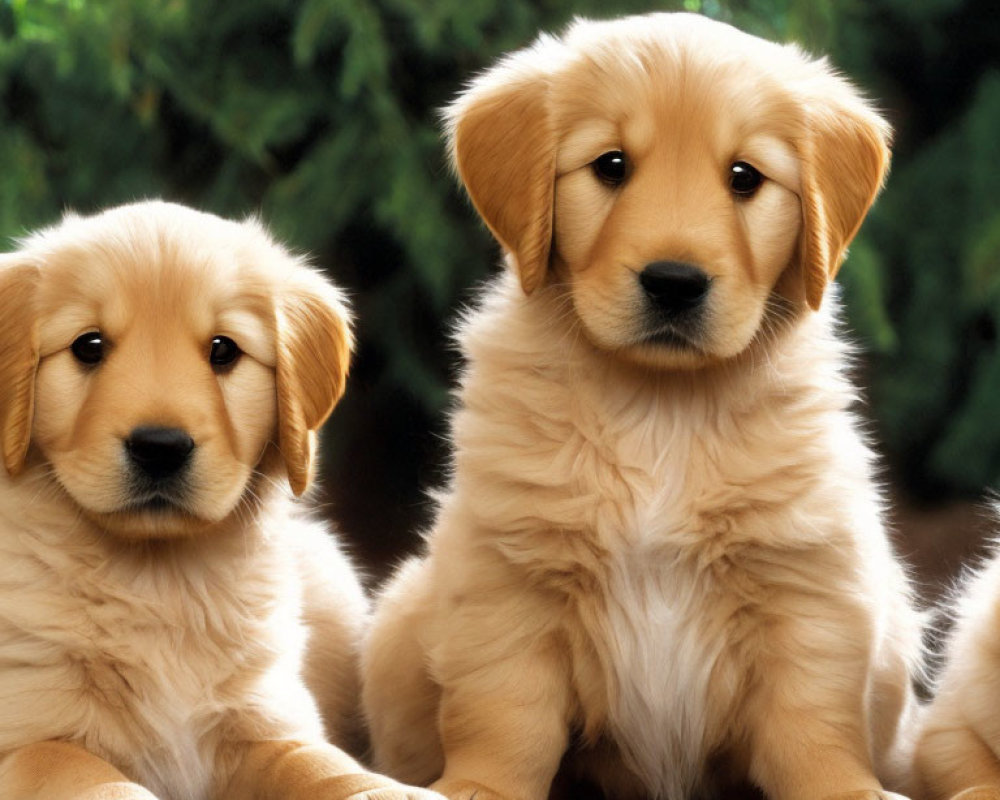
x: 162, y: 372
x: 661, y: 540
x: 958, y: 754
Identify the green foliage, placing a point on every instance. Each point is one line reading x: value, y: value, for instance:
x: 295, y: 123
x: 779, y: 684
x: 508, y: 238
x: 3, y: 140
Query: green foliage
x: 321, y: 115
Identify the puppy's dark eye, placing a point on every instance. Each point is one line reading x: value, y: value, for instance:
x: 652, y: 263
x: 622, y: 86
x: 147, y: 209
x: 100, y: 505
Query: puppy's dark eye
x: 611, y: 167
x: 744, y: 179
x: 224, y: 352
x: 88, y: 348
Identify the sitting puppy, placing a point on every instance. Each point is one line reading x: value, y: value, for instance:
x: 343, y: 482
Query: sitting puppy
x: 958, y: 754
x: 161, y: 597
x: 661, y: 541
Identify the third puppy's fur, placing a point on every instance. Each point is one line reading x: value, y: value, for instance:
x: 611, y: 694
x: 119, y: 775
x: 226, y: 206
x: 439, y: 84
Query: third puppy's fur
x: 661, y: 546
x: 958, y: 754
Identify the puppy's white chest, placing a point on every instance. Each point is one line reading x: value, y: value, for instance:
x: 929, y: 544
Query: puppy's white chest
x: 134, y: 675
x: 659, y: 673
x: 152, y: 690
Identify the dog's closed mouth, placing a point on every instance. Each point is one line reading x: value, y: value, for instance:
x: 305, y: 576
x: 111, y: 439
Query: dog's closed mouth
x: 671, y: 337
x: 156, y: 503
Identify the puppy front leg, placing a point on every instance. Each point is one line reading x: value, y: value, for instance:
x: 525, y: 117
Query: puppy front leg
x: 808, y: 721
x: 504, y: 729
x: 289, y: 770
x: 63, y: 771
x: 804, y: 757
x: 953, y: 761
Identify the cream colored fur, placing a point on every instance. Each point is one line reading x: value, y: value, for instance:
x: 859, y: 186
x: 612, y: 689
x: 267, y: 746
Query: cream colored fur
x: 668, y: 561
x: 168, y: 652
x: 959, y: 750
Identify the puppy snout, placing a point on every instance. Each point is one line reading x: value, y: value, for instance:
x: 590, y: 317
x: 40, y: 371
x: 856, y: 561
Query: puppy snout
x: 673, y: 286
x: 159, y: 452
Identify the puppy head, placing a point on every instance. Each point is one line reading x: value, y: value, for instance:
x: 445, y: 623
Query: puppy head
x: 161, y: 359
x: 679, y: 178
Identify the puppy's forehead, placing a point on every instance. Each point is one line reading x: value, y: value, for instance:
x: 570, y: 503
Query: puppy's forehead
x: 653, y: 75
x: 151, y: 259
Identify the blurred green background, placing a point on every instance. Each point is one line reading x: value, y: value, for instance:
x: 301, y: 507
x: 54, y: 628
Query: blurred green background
x: 321, y: 116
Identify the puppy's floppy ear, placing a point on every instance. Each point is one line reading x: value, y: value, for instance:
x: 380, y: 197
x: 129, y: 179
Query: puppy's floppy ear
x: 503, y: 146
x: 845, y: 158
x: 18, y: 358
x: 313, y: 354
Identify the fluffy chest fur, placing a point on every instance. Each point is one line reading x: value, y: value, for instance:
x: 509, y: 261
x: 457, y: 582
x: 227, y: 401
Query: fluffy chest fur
x: 112, y: 646
x: 668, y: 511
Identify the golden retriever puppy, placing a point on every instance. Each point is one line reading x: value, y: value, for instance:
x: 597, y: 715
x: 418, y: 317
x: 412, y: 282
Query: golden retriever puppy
x: 163, y: 373
x: 661, y: 549
x: 959, y: 748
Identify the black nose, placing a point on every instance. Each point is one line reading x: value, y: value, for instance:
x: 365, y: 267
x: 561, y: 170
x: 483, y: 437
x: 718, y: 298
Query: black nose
x: 159, y: 452
x: 674, y: 286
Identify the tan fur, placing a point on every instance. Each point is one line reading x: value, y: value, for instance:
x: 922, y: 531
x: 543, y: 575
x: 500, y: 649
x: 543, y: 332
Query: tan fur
x: 166, y: 652
x: 310, y: 331
x: 958, y: 754
x: 18, y: 360
x: 670, y: 556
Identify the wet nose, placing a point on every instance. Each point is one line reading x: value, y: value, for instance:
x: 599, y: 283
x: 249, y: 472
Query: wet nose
x: 673, y: 286
x: 159, y: 452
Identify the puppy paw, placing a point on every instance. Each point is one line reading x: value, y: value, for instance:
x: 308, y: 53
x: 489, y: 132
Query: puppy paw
x: 465, y: 790
x: 867, y: 794
x: 376, y: 787
x: 115, y: 791
x: 398, y: 792
x: 979, y: 793
x: 369, y: 786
